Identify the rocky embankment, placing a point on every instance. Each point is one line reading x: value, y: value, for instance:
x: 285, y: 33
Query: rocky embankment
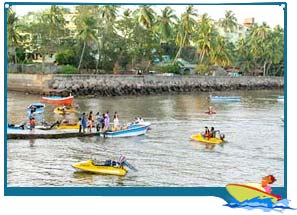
x: 147, y: 85
x: 118, y: 85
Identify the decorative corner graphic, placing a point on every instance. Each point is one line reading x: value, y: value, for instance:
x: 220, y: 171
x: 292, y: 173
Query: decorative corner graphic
x: 257, y: 196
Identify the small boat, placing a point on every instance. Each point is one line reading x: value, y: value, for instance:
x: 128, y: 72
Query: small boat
x: 68, y: 126
x: 109, y: 167
x: 243, y: 192
x: 58, y: 100
x: 91, y: 166
x: 225, y: 98
x: 210, y: 112
x: 36, y: 107
x: 15, y: 127
x: 131, y: 130
x: 280, y: 98
x: 212, y: 140
x: 47, y: 126
x: 68, y: 110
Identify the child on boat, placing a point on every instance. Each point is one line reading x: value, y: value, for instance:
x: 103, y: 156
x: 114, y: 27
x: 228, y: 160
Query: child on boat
x: 269, y: 179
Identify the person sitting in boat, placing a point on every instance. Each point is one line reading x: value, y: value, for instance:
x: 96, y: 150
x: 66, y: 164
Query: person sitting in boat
x: 206, y: 133
x: 111, y: 163
x: 141, y: 121
x: 269, y: 179
x: 211, y: 110
x: 33, y: 108
x: 212, y: 132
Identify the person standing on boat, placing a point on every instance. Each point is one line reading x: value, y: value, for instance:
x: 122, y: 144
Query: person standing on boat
x: 102, y: 120
x: 84, y: 122
x: 106, y: 122
x: 90, y: 121
x: 80, y: 125
x: 116, y: 122
x: 32, y: 123
x: 98, y: 121
x: 30, y: 116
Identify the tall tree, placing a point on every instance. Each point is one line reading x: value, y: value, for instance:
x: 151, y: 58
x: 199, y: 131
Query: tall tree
x: 259, y: 40
x: 221, y: 54
x: 229, y: 22
x: 165, y: 23
x: 146, y: 16
x: 206, y: 34
x: 185, y: 29
x: 13, y: 35
x: 86, y: 35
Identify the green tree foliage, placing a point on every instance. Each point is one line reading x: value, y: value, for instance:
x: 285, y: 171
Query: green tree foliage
x: 114, y: 38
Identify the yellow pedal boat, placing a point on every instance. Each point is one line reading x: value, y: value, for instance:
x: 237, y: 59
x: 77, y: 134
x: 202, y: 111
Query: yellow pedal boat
x: 68, y: 110
x: 200, y: 138
x: 68, y: 126
x: 89, y: 166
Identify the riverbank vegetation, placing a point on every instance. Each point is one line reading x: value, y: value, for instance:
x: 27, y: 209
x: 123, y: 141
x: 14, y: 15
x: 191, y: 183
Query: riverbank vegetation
x: 124, y: 39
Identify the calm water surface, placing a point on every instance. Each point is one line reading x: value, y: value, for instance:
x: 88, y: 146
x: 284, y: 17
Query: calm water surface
x: 165, y: 156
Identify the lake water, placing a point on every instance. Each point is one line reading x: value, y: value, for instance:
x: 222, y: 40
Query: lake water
x: 165, y: 156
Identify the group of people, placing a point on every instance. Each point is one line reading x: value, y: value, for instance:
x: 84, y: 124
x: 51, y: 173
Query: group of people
x: 209, y: 133
x: 101, y: 122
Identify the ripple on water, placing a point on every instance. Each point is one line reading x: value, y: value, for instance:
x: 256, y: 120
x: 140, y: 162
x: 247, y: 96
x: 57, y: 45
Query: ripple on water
x: 165, y: 156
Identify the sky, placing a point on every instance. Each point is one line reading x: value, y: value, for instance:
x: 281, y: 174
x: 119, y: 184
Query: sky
x: 271, y: 14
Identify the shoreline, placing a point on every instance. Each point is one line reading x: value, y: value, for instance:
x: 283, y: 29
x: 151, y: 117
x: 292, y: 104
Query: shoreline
x: 125, y: 85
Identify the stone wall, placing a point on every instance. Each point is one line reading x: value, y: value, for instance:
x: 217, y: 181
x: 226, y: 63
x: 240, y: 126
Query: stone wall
x: 117, y: 85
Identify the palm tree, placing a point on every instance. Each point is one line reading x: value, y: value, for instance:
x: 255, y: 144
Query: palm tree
x: 146, y: 16
x: 222, y: 53
x: 205, y: 37
x: 87, y: 34
x: 108, y: 14
x: 244, y: 58
x: 229, y: 23
x: 13, y: 35
x: 260, y: 43
x: 165, y: 23
x: 185, y: 29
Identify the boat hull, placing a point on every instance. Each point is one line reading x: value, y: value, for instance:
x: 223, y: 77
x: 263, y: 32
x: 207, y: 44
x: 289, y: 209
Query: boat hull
x: 39, y: 108
x: 57, y: 100
x: 225, y: 98
x: 135, y: 130
x: 242, y: 192
x: 88, y: 166
x: 74, y: 126
x: 59, y: 110
x: 200, y: 138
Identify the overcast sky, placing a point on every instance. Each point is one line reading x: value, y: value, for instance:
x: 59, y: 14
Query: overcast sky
x: 271, y: 14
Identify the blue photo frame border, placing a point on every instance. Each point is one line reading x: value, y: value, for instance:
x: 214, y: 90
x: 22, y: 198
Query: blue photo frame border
x: 134, y: 191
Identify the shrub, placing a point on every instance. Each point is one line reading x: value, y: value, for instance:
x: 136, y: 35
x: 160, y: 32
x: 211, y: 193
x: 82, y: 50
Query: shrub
x: 170, y: 69
x: 202, y: 69
x: 68, y: 69
x: 66, y: 57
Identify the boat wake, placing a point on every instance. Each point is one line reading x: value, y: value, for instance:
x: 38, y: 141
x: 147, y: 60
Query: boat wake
x: 263, y: 204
